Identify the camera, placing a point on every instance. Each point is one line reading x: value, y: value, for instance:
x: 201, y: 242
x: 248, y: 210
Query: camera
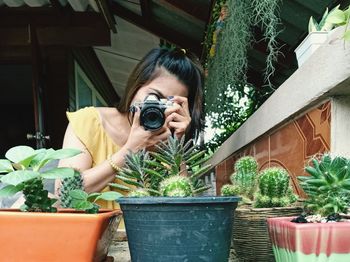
x: 152, y: 112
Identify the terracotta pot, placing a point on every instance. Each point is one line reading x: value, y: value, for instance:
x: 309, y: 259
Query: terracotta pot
x: 314, y: 242
x: 64, y: 236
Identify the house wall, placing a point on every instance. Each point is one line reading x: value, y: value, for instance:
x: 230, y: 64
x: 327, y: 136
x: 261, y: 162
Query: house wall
x: 290, y: 146
x: 308, y: 114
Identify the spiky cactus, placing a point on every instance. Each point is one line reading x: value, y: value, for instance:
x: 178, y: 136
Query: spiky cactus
x: 243, y: 179
x: 245, y: 176
x: 274, y: 188
x: 36, y: 198
x: 173, y: 169
x: 176, y: 186
x: 328, y: 186
x: 230, y: 190
x: 68, y: 184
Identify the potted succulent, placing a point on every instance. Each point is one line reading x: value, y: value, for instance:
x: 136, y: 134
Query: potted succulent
x: 165, y: 219
x: 40, y: 231
x: 316, y: 238
x: 318, y: 34
x: 265, y: 194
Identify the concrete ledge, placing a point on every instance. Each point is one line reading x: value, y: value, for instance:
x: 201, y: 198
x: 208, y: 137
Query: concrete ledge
x: 324, y: 75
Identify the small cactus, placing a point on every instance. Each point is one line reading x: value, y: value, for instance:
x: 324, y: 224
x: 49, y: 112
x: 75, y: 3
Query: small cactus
x: 36, y: 198
x: 230, y: 190
x: 68, y: 184
x: 245, y: 176
x: 274, y: 188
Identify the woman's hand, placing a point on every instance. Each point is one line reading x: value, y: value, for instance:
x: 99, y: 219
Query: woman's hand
x: 178, y: 116
x: 140, y: 138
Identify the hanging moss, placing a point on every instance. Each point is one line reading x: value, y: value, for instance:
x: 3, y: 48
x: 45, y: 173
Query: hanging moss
x: 230, y: 63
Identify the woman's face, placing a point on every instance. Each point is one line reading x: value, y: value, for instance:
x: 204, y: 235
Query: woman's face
x: 163, y: 86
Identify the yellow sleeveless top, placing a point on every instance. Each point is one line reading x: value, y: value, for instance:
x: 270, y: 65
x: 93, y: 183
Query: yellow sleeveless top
x: 86, y: 125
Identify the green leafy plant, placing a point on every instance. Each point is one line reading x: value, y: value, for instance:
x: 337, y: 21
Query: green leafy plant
x: 274, y: 189
x: 69, y: 184
x: 22, y: 170
x: 328, y: 186
x: 173, y: 170
x: 325, y: 23
x: 80, y: 200
x: 339, y: 18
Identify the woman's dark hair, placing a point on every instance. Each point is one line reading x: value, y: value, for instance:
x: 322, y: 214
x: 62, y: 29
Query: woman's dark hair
x: 188, y: 70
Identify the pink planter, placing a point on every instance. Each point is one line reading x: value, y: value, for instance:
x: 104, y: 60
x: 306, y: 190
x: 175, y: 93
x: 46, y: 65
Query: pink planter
x: 326, y: 242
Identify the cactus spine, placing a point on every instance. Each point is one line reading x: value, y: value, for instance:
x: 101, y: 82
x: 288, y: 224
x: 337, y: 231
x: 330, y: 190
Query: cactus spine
x: 274, y: 189
x: 176, y: 186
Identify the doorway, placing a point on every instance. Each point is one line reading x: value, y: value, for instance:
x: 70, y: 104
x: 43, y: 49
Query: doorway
x: 16, y: 106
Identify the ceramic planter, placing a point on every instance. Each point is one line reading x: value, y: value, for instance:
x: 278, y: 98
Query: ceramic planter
x: 179, y: 229
x: 309, y: 45
x: 62, y: 236
x: 316, y: 242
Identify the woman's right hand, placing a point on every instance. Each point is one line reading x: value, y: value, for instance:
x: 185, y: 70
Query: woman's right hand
x: 139, y: 138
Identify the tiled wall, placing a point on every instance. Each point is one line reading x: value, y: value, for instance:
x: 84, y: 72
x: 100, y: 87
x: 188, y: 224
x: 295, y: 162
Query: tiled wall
x: 290, y: 146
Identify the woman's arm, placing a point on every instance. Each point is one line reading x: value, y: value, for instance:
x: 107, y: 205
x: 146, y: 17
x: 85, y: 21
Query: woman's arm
x: 95, y: 178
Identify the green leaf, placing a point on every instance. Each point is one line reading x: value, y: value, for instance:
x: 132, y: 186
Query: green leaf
x: 19, y: 176
x: 312, y: 171
x: 21, y: 154
x: 82, y: 205
x: 109, y: 196
x: 10, y: 190
x: 58, y: 173
x: 78, y: 194
x: 336, y: 17
x: 93, y: 195
x: 347, y: 35
x: 201, y: 171
x: 64, y: 153
x: 312, y: 25
x: 120, y: 187
x: 5, y: 166
x: 316, y: 182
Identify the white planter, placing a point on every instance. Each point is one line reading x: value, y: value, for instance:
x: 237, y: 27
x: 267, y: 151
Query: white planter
x: 309, y: 45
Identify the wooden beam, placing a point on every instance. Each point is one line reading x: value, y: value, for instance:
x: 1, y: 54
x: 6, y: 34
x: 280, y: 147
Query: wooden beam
x: 145, y: 9
x: 109, y: 18
x: 91, y: 65
x: 195, y: 10
x: 57, y: 35
x: 158, y: 29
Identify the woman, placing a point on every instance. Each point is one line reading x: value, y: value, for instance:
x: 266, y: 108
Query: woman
x: 106, y: 135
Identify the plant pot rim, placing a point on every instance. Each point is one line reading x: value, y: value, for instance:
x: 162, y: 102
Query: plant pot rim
x: 286, y: 221
x: 66, y: 212
x: 177, y: 200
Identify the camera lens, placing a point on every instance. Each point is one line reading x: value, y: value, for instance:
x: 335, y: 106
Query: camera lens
x: 152, y: 118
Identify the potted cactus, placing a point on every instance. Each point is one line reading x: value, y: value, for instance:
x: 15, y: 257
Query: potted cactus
x: 265, y: 194
x: 312, y: 236
x: 41, y: 232
x: 165, y: 219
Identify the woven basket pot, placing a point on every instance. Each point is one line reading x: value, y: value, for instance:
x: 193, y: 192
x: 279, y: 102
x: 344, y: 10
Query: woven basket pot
x: 250, y: 239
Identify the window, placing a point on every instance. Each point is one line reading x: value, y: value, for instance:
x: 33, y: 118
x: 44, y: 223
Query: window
x: 84, y: 94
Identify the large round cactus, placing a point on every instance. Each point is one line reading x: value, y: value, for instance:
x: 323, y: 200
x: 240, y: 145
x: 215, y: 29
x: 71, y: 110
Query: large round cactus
x: 176, y: 186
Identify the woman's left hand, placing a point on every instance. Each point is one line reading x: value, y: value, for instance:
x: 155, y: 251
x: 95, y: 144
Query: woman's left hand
x: 178, y: 116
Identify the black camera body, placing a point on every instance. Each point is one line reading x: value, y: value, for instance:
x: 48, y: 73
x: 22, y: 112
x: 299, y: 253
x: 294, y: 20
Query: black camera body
x: 152, y: 112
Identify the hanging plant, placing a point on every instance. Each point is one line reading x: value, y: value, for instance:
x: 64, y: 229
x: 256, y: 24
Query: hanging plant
x: 230, y: 63
x: 227, y: 65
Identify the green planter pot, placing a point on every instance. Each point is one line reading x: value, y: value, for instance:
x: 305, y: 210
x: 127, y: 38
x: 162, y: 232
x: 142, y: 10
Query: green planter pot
x: 314, y: 242
x: 179, y: 229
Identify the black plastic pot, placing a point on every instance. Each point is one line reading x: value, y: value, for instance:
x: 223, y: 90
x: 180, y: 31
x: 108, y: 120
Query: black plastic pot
x: 179, y: 229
